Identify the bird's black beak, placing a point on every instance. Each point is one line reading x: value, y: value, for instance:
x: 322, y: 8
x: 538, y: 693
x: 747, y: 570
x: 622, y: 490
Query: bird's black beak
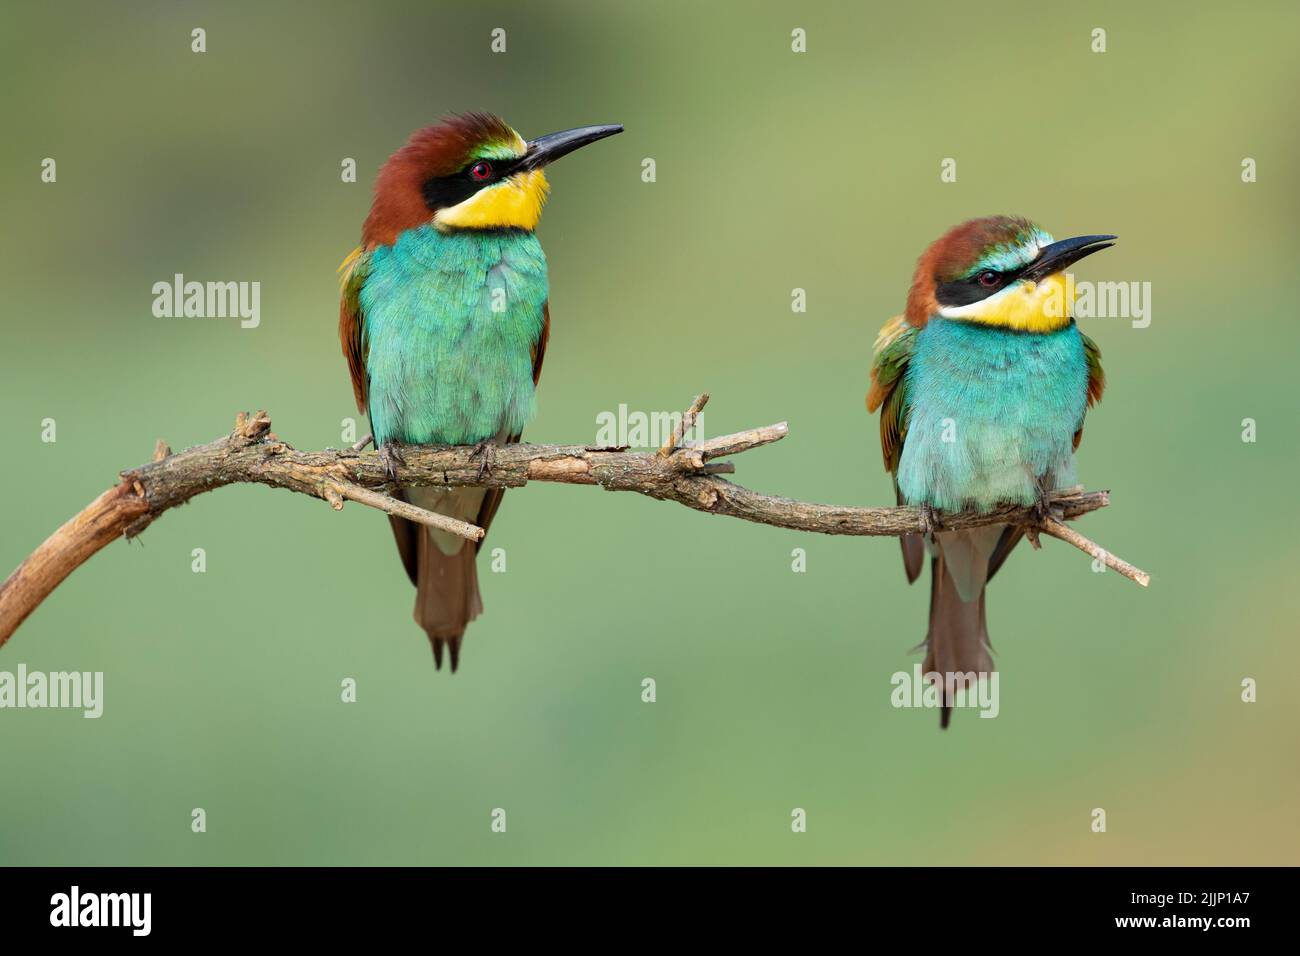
x: 1061, y: 255
x: 547, y: 149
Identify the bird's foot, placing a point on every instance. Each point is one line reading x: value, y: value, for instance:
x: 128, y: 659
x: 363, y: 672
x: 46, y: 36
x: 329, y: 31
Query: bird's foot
x: 390, y: 453
x: 484, y: 451
x: 1044, y: 508
x: 929, y: 520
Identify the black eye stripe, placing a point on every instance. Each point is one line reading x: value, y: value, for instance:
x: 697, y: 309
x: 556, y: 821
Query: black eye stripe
x: 965, y: 291
x: 442, y: 192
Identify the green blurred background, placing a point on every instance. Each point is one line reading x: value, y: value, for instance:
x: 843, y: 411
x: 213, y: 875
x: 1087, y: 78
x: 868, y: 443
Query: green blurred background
x: 775, y: 171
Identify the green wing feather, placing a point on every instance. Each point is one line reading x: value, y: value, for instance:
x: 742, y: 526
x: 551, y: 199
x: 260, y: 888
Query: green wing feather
x: 894, y: 349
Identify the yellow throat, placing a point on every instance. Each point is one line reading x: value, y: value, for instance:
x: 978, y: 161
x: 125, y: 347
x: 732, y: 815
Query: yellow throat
x: 514, y: 203
x: 1024, y: 307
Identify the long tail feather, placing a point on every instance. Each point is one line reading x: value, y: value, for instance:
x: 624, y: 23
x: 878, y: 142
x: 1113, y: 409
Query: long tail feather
x: 443, y: 570
x: 957, y: 642
x: 447, y: 596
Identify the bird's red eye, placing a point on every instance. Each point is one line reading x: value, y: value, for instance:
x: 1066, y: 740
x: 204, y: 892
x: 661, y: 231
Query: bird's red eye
x: 481, y: 171
x: 989, y: 279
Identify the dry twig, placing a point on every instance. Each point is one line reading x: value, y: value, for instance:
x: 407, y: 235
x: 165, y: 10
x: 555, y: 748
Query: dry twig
x: 686, y: 474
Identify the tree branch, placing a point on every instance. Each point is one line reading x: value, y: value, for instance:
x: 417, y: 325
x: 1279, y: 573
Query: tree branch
x: 685, y: 425
x: 686, y: 474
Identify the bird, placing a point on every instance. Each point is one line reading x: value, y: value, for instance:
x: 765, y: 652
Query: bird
x: 444, y: 319
x: 982, y: 385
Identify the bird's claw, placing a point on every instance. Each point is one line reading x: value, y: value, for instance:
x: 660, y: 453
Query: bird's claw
x: 1044, y: 508
x: 391, y: 456
x: 929, y: 520
x: 483, y: 451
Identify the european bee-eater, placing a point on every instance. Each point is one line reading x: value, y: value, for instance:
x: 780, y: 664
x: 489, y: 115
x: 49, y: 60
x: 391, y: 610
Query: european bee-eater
x: 982, y: 384
x: 444, y: 322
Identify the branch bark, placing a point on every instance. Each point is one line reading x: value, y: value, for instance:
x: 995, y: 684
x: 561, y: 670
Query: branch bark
x: 686, y: 474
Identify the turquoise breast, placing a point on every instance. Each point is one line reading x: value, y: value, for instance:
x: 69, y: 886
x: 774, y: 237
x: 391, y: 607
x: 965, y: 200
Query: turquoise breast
x: 451, y: 321
x: 990, y: 412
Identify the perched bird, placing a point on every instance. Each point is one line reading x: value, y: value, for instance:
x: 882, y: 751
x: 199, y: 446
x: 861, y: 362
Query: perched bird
x: 982, y: 386
x: 444, y: 321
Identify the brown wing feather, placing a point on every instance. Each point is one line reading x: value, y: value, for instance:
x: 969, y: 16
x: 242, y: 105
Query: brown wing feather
x: 1096, y: 381
x: 352, y: 333
x: 492, y: 500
